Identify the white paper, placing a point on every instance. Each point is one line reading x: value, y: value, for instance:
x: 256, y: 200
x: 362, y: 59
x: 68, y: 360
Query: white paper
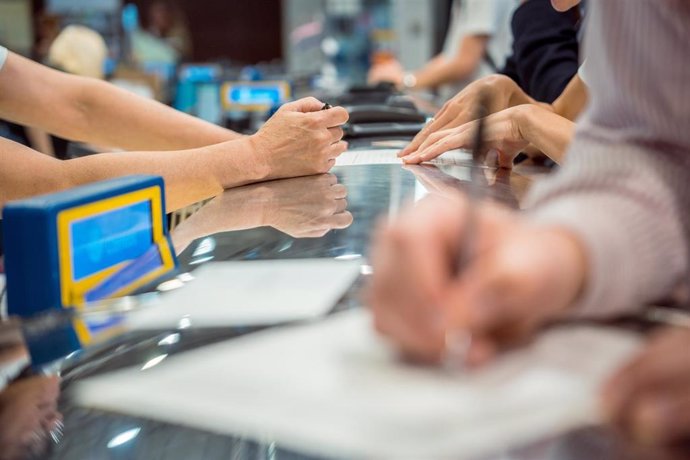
x: 252, y: 293
x: 334, y: 388
x: 390, y: 156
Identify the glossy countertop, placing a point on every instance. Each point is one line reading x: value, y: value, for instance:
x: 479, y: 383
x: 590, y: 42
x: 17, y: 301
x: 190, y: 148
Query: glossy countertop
x: 327, y: 216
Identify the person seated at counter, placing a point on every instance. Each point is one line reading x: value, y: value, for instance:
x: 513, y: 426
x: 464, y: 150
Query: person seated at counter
x: 197, y: 159
x: 478, y: 43
x: 605, y: 236
x: 516, y: 120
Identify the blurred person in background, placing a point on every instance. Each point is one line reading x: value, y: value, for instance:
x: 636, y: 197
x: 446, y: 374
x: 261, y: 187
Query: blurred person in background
x: 478, y: 43
x: 166, y: 21
x: 545, y: 59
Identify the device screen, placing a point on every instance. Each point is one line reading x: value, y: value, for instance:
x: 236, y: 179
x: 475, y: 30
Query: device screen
x: 109, y: 238
x: 248, y: 95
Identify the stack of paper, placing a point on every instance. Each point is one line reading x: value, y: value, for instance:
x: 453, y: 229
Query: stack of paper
x: 334, y: 389
x: 252, y: 294
x: 390, y: 156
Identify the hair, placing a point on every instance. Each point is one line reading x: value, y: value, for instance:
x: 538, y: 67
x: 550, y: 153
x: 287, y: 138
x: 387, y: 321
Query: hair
x: 80, y: 51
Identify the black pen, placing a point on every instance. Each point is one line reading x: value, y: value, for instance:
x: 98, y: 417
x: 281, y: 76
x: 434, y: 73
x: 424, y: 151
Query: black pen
x: 459, y: 342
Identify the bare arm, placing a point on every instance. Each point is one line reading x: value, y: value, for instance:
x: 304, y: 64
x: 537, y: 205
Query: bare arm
x: 89, y: 110
x: 299, y: 140
x: 190, y: 175
x: 441, y: 70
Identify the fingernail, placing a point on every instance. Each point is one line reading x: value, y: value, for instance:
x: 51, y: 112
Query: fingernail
x: 652, y: 420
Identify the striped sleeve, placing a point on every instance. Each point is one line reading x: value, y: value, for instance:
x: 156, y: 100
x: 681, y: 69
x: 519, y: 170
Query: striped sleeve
x: 625, y: 188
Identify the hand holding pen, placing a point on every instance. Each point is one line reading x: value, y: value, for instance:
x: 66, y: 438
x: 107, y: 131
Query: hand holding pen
x: 458, y: 280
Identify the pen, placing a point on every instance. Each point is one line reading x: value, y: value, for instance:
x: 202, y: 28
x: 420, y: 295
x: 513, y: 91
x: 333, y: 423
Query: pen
x: 458, y: 342
x: 326, y: 106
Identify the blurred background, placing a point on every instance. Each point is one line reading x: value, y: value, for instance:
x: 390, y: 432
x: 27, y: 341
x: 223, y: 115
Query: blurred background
x: 185, y: 52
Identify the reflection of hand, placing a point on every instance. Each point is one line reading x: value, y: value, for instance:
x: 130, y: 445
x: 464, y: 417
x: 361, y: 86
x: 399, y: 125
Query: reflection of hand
x: 463, y: 107
x: 521, y: 276
x: 435, y: 181
x: 307, y: 207
x: 390, y: 71
x: 28, y: 413
x: 301, y: 207
x: 300, y: 140
x: 502, y: 134
x: 650, y: 398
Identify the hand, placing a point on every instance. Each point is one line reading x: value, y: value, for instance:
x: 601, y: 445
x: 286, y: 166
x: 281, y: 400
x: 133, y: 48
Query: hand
x: 306, y: 207
x: 502, y: 135
x: 390, y: 71
x: 521, y: 276
x: 649, y: 399
x: 463, y: 107
x: 28, y: 413
x: 302, y: 207
x: 300, y: 140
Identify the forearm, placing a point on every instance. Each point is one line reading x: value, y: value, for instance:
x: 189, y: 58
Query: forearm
x: 236, y: 209
x: 547, y: 131
x: 118, y: 118
x: 190, y: 175
x: 96, y: 112
x: 624, y: 203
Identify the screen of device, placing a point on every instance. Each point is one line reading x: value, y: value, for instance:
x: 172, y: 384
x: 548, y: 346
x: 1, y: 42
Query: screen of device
x: 103, y: 240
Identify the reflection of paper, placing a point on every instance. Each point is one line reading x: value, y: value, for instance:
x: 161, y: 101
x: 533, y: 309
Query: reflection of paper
x: 390, y: 156
x: 252, y: 293
x: 333, y: 387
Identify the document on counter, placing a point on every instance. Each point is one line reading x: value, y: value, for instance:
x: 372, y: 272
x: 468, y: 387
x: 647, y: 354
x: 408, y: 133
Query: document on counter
x: 334, y: 386
x: 252, y: 293
x: 390, y: 156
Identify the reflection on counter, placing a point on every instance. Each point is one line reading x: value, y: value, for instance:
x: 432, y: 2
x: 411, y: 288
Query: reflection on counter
x: 321, y: 216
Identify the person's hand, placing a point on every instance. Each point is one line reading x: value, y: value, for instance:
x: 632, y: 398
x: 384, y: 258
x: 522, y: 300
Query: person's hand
x: 462, y: 108
x: 390, y: 71
x: 302, y: 207
x: 306, y: 207
x: 649, y: 399
x: 28, y: 413
x: 521, y: 276
x: 502, y: 135
x: 300, y: 140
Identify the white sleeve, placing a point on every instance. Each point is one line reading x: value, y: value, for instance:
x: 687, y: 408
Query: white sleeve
x: 3, y: 56
x: 479, y: 17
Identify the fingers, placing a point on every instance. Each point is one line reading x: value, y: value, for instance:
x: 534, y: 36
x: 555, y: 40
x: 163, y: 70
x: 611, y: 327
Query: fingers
x: 305, y: 105
x: 411, y: 269
x: 335, y: 116
x: 441, y: 143
x: 342, y: 219
x: 336, y: 134
x: 339, y: 191
x: 649, y: 399
x: 337, y: 149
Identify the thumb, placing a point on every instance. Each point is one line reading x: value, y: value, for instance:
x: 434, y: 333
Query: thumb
x: 306, y: 105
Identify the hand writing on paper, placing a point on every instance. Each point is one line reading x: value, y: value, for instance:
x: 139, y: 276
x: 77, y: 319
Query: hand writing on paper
x: 522, y: 276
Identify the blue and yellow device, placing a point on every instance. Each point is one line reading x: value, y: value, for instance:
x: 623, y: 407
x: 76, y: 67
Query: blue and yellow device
x: 87, y: 244
x: 249, y: 96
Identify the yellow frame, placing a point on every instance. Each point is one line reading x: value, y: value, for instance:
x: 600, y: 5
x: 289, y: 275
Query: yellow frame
x: 227, y: 105
x: 72, y: 292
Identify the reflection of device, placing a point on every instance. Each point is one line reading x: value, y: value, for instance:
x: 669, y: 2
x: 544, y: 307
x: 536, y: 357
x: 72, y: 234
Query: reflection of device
x: 90, y: 243
x: 254, y: 96
x: 60, y: 247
